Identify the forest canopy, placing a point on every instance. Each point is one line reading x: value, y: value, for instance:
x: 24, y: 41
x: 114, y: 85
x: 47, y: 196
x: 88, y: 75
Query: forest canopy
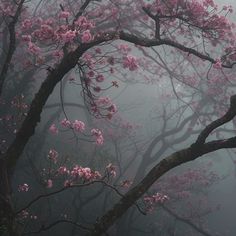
x: 101, y: 104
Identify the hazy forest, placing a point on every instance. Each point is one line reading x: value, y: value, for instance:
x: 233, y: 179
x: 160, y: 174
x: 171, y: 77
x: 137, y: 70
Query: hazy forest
x: 117, y: 117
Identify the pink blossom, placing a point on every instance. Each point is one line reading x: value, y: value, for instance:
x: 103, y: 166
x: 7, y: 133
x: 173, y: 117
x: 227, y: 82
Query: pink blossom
x: 124, y: 48
x: 156, y: 198
x: 103, y: 101
x: 90, y: 73
x: 126, y: 183
x: 68, y: 36
x: 97, y: 175
x: 83, y: 23
x: 53, y: 155
x: 26, y: 24
x: 75, y: 172
x: 53, y: 129
x: 86, y: 36
x: 33, y: 48
x: 86, y: 173
x: 64, y: 14
x: 98, y: 50
x: 46, y: 32
x: 26, y: 38
x: 38, y: 20
x: 97, y: 89
x: 81, y: 172
x: 33, y: 217
x: 23, y: 188
x: 78, y: 125
x: 88, y: 58
x: 49, y: 183
x: 100, y: 78
x: 67, y: 183
x: 217, y: 64
x: 66, y: 123
x: 98, y: 135
x: 7, y: 9
x: 63, y: 170
x: 111, y: 169
x: 49, y: 21
x: 112, y: 108
x: 130, y: 62
x: 24, y: 214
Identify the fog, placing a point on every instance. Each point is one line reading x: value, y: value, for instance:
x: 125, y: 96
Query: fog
x: 86, y: 116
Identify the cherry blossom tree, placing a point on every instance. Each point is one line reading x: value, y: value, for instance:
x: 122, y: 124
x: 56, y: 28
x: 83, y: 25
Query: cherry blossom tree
x: 89, y: 41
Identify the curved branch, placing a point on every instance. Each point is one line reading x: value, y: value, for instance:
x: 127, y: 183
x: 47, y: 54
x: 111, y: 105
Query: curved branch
x: 230, y: 114
x: 168, y: 163
x: 141, y: 41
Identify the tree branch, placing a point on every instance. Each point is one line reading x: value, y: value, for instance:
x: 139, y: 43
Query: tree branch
x: 168, y: 163
x: 12, y: 45
x: 45, y: 228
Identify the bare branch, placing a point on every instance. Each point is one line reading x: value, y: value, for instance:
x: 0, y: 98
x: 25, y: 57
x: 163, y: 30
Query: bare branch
x: 45, y: 228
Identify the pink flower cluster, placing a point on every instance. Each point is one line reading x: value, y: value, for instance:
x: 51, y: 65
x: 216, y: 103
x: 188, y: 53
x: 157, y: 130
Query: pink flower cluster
x: 68, y: 36
x: 77, y: 173
x: 89, y: 60
x: 156, y: 198
x: 33, y: 49
x: 83, y: 23
x: 130, y: 62
x: 48, y: 31
x: 204, y: 14
x: 64, y: 14
x: 49, y: 183
x: 7, y: 9
x: 111, y: 170
x: 218, y: 64
x: 23, y: 188
x: 53, y: 155
x: 24, y: 214
x: 66, y: 123
x: 112, y: 109
x: 78, y: 125
x: 84, y: 173
x: 53, y: 129
x: 126, y: 183
x: 105, y: 104
x: 100, y: 78
x: 62, y: 170
x: 124, y: 48
x: 27, y: 24
x: 86, y: 36
x: 98, y: 135
x: 103, y: 101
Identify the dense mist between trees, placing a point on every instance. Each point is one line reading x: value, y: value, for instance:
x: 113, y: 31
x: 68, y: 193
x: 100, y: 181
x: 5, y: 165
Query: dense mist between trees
x: 117, y: 117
